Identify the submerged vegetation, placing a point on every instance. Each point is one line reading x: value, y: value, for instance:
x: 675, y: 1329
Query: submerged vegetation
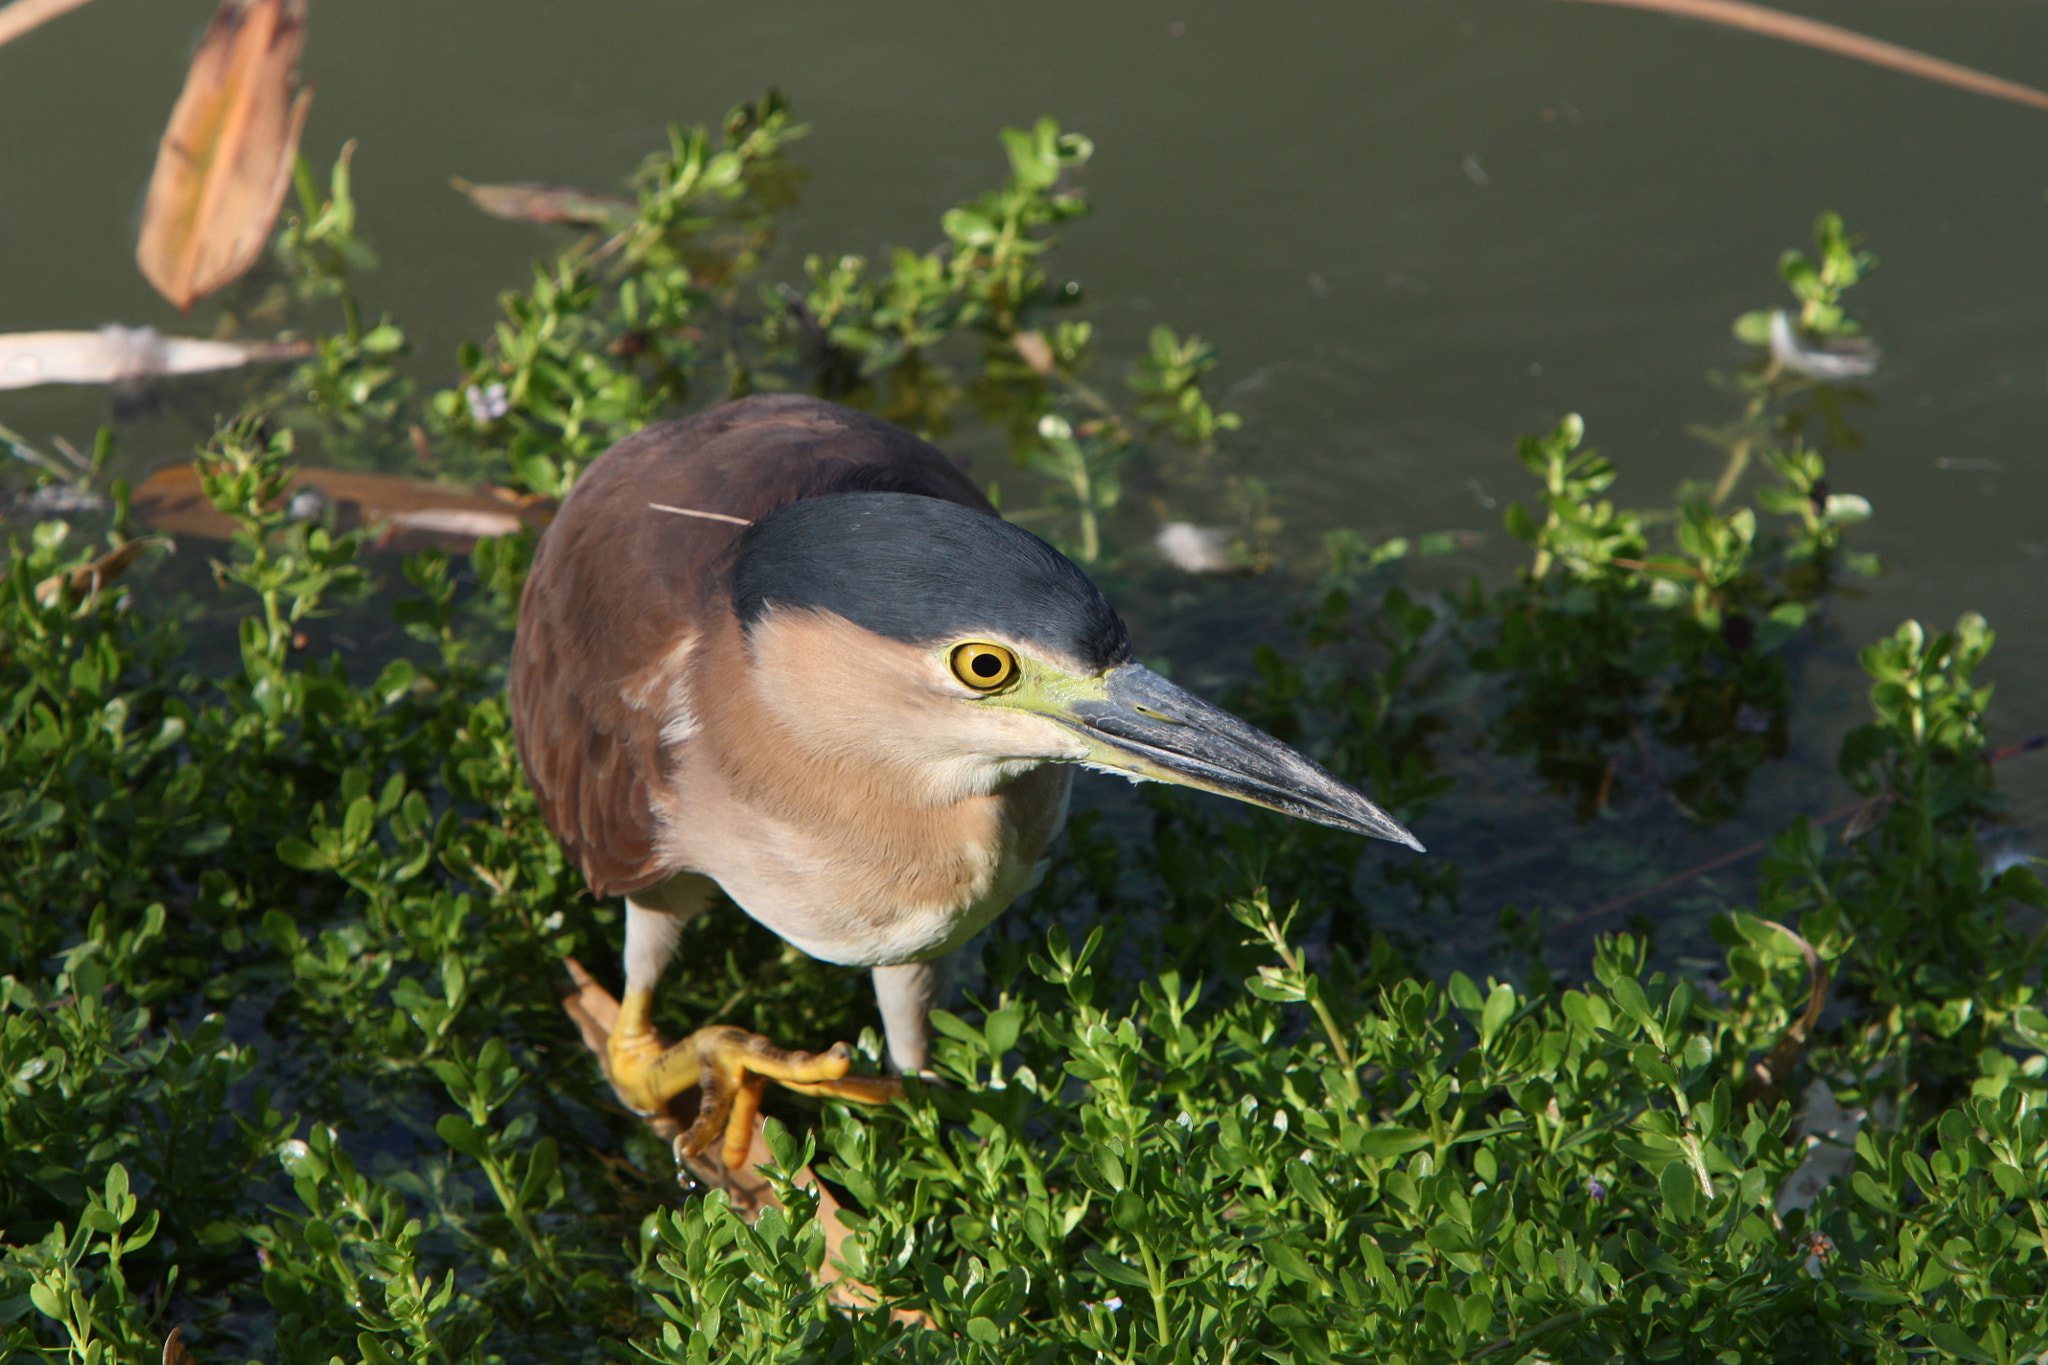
x: 282, y: 1058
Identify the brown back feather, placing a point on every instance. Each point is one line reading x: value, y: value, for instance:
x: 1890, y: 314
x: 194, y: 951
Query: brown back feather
x: 617, y: 587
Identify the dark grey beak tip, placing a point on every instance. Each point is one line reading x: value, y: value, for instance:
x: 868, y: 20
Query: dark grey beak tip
x: 1216, y: 750
x: 1380, y: 825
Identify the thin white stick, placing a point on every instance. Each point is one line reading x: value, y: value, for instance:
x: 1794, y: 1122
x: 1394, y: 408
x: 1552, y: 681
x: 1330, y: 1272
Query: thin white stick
x: 23, y: 15
x: 693, y: 512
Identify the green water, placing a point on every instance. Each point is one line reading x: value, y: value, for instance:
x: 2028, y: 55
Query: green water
x: 1413, y: 230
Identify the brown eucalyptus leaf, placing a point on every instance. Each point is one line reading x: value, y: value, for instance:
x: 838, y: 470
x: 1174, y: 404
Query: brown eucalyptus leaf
x: 226, y: 157
x: 528, y: 202
x: 88, y: 580
x: 1034, y: 350
x: 414, y: 512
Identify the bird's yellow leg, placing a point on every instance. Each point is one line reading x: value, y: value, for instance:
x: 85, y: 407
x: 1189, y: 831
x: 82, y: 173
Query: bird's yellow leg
x: 730, y: 1067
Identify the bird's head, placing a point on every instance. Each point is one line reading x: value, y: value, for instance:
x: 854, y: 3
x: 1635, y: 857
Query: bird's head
x: 892, y: 626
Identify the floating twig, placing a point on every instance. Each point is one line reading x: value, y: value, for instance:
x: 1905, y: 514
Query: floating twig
x: 1767, y: 1074
x: 1793, y: 28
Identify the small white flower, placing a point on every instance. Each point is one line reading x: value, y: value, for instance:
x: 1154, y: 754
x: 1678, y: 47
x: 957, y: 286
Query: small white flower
x: 487, y: 404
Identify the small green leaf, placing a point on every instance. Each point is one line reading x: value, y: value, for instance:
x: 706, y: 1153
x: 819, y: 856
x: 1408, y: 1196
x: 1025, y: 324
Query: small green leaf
x: 1114, y: 1270
x: 1002, y: 1030
x: 46, y: 1300
x: 1754, y: 328
x: 1628, y: 995
x: 458, y: 1132
x: 1952, y: 1340
x: 296, y: 852
x: 1289, y: 1261
x: 1390, y: 1141
x: 1681, y: 1191
x: 1500, y: 1007
x: 1463, y: 993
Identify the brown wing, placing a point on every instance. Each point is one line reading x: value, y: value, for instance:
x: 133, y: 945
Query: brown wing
x: 621, y: 596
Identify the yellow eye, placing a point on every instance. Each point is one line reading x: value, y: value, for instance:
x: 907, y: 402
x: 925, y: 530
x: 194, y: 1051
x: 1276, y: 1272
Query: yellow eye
x: 983, y: 666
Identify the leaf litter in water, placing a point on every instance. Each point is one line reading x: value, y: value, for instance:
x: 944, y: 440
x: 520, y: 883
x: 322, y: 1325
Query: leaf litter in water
x: 413, y: 512
x: 88, y: 580
x: 226, y: 157
x: 530, y: 202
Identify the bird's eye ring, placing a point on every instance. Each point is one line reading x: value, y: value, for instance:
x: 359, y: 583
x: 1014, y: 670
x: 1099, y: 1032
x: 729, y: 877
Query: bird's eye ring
x: 983, y: 666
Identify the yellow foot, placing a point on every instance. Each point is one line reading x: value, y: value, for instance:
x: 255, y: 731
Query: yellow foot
x: 730, y: 1067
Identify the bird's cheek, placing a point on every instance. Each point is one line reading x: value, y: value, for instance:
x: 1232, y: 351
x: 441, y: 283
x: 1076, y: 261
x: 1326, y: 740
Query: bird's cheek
x: 1047, y: 740
x: 995, y: 734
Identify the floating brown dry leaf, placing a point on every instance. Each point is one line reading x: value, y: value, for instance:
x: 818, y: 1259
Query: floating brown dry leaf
x: 226, y: 156
x: 527, y: 202
x: 88, y: 580
x: 1034, y: 350
x: 23, y: 15
x: 1794, y: 28
x: 414, y: 512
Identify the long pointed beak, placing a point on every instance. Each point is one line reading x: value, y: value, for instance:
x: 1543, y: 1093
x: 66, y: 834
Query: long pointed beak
x: 1145, y: 727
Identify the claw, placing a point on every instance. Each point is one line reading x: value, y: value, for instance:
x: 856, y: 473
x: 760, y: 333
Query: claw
x: 730, y: 1068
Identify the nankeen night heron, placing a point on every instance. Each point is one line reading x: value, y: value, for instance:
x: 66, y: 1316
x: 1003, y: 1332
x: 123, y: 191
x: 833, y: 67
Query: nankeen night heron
x: 788, y: 650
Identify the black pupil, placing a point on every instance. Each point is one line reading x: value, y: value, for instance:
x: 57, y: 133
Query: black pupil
x: 986, y: 665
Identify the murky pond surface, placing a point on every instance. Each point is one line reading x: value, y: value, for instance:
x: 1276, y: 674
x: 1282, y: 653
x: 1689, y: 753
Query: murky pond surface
x: 1413, y: 230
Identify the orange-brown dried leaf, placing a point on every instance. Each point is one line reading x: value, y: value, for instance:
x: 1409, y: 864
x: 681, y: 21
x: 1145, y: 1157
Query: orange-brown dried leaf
x: 527, y: 202
x: 88, y: 580
x: 226, y: 156
x: 414, y: 512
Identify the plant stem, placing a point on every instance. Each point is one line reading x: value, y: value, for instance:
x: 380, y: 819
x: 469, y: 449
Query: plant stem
x: 1156, y: 1278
